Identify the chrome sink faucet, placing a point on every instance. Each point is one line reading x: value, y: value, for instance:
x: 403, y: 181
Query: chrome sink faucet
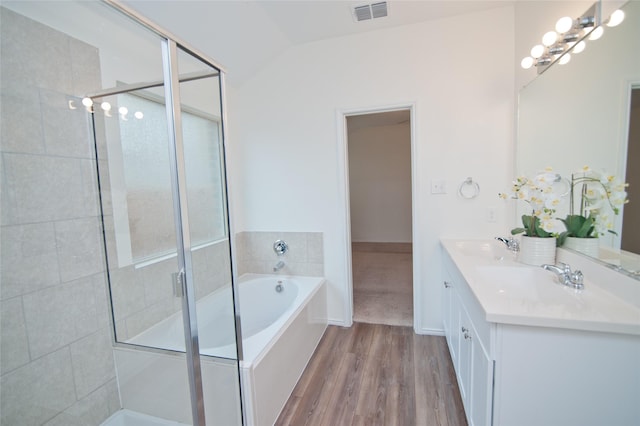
x: 566, y: 276
x: 511, y: 243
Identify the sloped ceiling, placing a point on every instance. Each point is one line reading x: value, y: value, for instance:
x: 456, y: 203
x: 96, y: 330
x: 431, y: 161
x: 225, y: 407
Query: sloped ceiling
x: 243, y: 36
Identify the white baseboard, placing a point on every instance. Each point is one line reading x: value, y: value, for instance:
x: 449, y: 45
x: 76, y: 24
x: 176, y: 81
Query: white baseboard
x: 429, y: 331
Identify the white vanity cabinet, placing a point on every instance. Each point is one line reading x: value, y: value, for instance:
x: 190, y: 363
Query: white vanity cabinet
x: 530, y: 370
x: 465, y: 330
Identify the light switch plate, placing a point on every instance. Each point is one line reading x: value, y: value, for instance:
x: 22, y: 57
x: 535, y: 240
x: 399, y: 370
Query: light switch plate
x: 438, y: 186
x: 491, y: 214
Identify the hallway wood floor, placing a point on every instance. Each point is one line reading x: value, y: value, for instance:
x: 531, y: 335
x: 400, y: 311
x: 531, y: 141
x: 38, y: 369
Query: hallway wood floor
x: 372, y: 374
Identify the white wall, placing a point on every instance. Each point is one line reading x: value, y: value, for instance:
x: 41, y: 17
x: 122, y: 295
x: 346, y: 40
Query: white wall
x: 285, y: 149
x: 380, y: 183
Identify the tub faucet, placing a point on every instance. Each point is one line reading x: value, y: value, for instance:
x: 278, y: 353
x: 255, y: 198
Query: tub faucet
x: 278, y: 266
x: 566, y: 276
x: 511, y: 243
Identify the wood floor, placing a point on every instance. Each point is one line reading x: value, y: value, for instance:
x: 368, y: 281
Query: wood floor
x: 382, y: 283
x: 372, y: 374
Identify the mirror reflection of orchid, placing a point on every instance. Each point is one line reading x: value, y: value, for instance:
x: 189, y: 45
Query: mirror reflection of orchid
x: 599, y: 197
x: 543, y: 194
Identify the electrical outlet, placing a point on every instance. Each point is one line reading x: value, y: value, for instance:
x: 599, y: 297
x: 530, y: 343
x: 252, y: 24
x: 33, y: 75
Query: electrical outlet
x: 491, y: 214
x: 438, y: 186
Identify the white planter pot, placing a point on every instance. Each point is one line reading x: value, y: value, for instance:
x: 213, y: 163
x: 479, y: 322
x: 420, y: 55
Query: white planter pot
x: 537, y: 251
x: 588, y: 246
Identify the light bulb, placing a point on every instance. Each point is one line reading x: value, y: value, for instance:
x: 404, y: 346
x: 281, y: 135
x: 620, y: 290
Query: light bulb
x: 549, y: 38
x: 123, y: 110
x: 564, y: 59
x: 527, y: 62
x: 537, y: 51
x: 579, y: 47
x: 105, y: 106
x: 596, y: 33
x: 616, y: 18
x: 138, y: 115
x: 564, y: 24
x: 88, y: 102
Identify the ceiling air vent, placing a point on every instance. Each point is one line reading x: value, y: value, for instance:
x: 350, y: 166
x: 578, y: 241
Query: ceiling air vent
x: 370, y: 11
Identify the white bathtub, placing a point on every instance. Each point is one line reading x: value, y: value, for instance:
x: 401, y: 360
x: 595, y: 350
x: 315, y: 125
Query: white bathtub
x: 280, y: 331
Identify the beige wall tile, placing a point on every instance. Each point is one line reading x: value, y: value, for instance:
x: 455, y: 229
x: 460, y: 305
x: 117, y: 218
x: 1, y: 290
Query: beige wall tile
x: 151, y: 315
x: 92, y: 361
x: 315, y: 247
x: 39, y: 390
x: 66, y: 131
x: 304, y: 257
x: 91, y: 410
x: 80, y: 250
x: 29, y: 259
x: 14, y: 346
x: 20, y: 121
x: 57, y: 316
x: 127, y: 292
x: 29, y: 49
x: 85, y: 67
x: 157, y: 280
x: 46, y: 188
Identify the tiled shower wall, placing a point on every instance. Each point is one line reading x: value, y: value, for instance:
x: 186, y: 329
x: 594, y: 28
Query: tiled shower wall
x: 56, y: 357
x: 305, y: 257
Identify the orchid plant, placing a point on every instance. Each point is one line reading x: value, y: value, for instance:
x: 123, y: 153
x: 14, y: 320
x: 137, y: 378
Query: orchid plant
x: 543, y: 196
x: 600, y: 194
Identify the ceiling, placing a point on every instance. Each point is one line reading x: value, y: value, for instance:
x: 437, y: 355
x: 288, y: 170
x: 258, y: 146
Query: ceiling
x: 303, y: 21
x: 243, y: 36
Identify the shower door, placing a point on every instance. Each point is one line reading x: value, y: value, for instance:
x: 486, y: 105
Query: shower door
x: 159, y: 148
x: 140, y: 264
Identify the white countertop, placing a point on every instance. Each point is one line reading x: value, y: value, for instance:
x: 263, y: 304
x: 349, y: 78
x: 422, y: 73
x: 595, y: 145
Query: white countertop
x: 513, y: 293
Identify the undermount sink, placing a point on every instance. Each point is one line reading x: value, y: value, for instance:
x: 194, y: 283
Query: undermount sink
x: 516, y: 275
x: 493, y: 250
x: 510, y: 280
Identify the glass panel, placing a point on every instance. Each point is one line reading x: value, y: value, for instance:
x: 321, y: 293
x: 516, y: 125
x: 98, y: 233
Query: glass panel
x: 202, y: 136
x: 60, y: 53
x: 147, y: 180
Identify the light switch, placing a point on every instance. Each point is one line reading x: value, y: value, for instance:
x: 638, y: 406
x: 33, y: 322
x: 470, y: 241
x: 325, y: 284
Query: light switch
x: 438, y: 186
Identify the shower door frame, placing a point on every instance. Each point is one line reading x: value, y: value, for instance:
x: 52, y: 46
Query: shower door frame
x: 171, y: 82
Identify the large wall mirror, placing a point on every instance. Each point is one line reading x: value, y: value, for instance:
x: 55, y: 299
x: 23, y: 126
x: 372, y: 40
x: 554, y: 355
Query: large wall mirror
x: 586, y: 113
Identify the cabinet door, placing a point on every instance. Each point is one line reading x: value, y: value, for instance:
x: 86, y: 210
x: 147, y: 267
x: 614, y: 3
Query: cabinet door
x: 481, y: 384
x: 447, y: 291
x: 464, y: 355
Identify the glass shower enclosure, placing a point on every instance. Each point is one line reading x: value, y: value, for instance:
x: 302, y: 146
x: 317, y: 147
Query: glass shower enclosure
x: 154, y: 108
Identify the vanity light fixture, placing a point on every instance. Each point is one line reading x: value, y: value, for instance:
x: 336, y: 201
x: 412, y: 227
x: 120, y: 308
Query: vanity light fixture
x: 569, y: 34
x: 616, y: 18
x: 564, y: 59
x: 579, y: 47
x: 596, y: 34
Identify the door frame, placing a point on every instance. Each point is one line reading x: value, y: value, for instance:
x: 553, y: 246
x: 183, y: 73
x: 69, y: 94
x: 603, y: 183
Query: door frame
x: 345, y: 208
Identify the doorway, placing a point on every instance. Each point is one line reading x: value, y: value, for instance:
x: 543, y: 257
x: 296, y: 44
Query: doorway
x: 630, y: 234
x: 380, y: 205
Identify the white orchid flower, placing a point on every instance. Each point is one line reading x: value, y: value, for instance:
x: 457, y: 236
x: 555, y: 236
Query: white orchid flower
x: 553, y: 226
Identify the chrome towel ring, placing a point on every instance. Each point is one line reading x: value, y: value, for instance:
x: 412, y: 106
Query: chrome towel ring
x: 469, y: 189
